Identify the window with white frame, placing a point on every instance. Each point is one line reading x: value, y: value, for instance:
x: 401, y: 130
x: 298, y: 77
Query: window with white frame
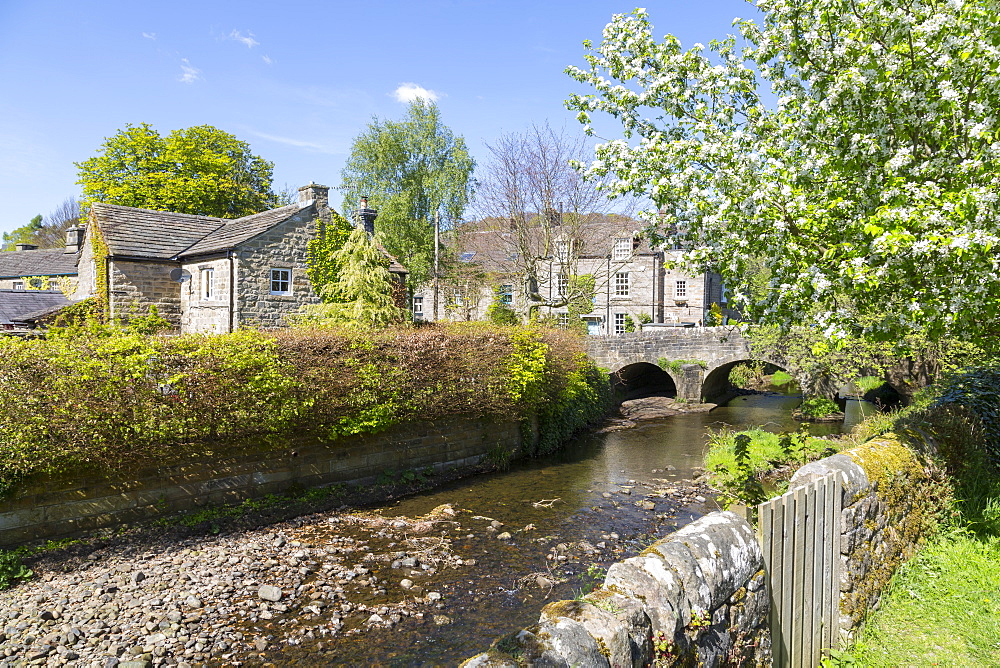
x: 207, y: 283
x: 281, y: 281
x: 18, y: 285
x: 681, y: 290
x: 418, y: 307
x: 623, y: 248
x: 562, y: 250
x: 507, y: 294
x: 620, y: 323
x: 562, y: 319
x: 621, y: 284
x: 562, y: 285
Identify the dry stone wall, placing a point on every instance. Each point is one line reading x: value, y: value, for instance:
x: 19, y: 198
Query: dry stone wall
x: 696, y: 597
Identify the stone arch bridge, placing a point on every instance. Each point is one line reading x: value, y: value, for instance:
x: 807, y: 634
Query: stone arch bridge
x: 716, y: 350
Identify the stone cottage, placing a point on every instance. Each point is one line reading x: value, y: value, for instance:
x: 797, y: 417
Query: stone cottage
x: 204, y: 274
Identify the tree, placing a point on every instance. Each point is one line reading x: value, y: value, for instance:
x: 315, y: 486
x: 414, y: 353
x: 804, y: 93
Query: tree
x: 47, y: 232
x: 362, y: 295
x: 870, y: 186
x: 411, y: 171
x: 540, y: 209
x: 199, y: 170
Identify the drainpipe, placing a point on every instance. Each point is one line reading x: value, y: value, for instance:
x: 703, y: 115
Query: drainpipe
x: 108, y: 267
x: 607, y: 308
x: 232, y: 290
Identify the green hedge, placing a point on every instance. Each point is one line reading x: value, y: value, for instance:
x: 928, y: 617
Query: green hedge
x: 123, y: 401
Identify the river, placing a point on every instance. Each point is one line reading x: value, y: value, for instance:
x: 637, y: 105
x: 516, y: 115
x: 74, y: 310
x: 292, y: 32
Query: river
x: 567, y: 517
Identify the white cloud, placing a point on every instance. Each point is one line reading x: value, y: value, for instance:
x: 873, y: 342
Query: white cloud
x: 410, y: 92
x: 149, y: 35
x: 267, y: 59
x: 245, y: 39
x: 298, y: 143
x: 191, y: 74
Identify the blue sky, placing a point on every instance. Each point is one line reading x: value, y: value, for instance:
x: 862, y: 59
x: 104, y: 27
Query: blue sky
x: 297, y: 82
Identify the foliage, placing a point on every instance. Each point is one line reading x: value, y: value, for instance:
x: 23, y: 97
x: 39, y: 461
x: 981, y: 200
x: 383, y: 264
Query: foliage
x: 104, y: 399
x: 47, y: 232
x: 870, y: 186
x: 321, y: 267
x: 714, y: 318
x: 11, y: 569
x: 817, y: 407
x: 199, y: 170
x: 363, y: 294
x: 675, y: 365
x: 499, y: 312
x: 411, y: 171
x: 780, y: 378
x: 747, y: 374
x: 24, y: 234
x: 978, y: 390
x: 737, y: 461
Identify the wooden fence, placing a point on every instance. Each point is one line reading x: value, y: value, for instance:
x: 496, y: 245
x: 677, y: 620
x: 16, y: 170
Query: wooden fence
x: 799, y: 533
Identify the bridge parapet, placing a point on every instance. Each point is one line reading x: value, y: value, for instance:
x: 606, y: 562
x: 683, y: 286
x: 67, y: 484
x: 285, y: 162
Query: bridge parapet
x: 712, y: 345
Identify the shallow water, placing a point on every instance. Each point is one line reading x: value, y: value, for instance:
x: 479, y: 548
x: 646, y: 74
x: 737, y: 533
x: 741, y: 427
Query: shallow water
x: 593, y: 491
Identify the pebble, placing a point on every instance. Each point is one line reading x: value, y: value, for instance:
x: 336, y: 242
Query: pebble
x: 269, y: 593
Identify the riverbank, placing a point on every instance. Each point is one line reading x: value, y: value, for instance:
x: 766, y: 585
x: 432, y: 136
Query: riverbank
x: 326, y: 586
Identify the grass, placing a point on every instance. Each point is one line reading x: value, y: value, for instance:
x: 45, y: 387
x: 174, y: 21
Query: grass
x: 780, y: 378
x: 942, y: 607
x: 765, y: 451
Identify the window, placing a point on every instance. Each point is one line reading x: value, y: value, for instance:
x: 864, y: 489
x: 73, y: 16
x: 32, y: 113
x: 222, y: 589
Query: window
x: 621, y: 284
x: 562, y: 285
x: 18, y: 285
x: 619, y: 323
x: 562, y: 319
x: 281, y: 281
x: 208, y: 284
x: 457, y: 298
x: 507, y: 294
x: 467, y: 256
x: 681, y: 290
x: 623, y: 248
x: 418, y: 307
x: 562, y: 250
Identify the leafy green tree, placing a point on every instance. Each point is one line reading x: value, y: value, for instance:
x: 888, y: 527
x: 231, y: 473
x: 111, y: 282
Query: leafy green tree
x: 24, y: 234
x: 499, y: 312
x: 363, y: 294
x: 322, y: 267
x: 411, y: 170
x: 200, y: 170
x: 870, y: 185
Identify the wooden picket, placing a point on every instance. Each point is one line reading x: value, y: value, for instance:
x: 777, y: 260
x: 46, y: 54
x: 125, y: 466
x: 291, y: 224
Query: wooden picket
x: 799, y: 533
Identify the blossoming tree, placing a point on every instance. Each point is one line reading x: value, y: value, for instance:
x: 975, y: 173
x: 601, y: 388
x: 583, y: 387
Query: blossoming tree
x: 868, y: 181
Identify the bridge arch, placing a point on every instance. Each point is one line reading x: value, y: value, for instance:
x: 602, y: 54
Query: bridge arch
x: 717, y: 382
x: 640, y: 379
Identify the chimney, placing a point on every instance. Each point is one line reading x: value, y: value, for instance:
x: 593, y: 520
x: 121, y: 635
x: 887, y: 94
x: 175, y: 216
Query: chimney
x: 319, y: 194
x: 74, y: 239
x: 366, y: 217
x: 25, y: 247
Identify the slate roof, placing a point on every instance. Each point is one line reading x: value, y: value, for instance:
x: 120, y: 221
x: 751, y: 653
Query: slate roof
x: 145, y: 233
x: 163, y: 235
x: 18, y: 306
x: 48, y: 262
x: 235, y: 232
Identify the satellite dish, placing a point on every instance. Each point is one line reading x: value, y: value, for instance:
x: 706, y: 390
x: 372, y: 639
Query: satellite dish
x: 178, y: 275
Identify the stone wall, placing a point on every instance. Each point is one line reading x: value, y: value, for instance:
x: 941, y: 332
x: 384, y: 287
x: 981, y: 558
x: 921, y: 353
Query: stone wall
x: 206, y: 315
x: 283, y: 247
x: 137, y: 285
x: 53, y: 509
x: 700, y: 596
x: 888, y: 508
x: 696, y: 597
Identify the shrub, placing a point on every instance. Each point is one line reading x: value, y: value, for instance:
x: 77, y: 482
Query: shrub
x: 817, y: 407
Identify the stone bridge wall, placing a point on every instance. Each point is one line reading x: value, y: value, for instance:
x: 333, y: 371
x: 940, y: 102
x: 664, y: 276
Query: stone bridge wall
x: 715, y: 347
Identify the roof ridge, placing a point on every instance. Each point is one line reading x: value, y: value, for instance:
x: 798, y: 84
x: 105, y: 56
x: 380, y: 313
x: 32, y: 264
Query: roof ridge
x: 169, y: 213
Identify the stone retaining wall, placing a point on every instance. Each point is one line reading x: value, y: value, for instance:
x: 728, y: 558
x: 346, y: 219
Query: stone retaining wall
x: 52, y: 509
x: 700, y: 595
x: 697, y: 597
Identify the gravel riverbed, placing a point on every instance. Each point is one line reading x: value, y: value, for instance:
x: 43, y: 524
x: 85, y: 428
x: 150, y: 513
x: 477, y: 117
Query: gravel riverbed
x: 296, y: 592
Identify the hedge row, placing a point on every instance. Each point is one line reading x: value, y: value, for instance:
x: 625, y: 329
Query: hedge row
x: 123, y: 401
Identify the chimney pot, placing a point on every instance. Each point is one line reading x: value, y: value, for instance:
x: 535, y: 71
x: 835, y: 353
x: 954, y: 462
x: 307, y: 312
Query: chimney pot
x: 366, y: 217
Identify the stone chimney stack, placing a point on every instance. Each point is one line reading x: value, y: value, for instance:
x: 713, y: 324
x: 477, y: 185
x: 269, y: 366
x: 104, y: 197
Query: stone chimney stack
x: 320, y: 194
x: 366, y: 217
x: 74, y: 239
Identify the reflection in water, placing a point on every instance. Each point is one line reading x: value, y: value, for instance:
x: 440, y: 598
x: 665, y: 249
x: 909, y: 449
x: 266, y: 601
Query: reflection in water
x: 487, y: 601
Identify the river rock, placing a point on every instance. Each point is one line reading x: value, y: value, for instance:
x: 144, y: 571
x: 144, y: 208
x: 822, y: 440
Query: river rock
x: 269, y: 593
